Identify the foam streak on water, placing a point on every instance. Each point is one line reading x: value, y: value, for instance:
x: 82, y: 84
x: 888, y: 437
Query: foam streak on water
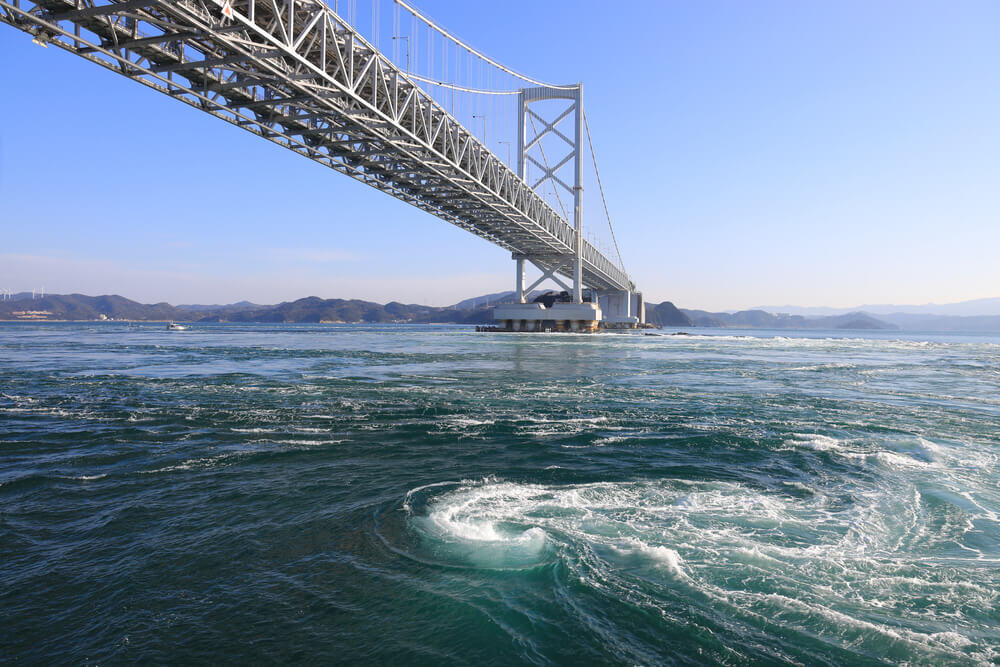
x: 433, y: 495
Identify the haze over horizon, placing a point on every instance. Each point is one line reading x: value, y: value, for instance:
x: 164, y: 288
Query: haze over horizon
x: 828, y: 156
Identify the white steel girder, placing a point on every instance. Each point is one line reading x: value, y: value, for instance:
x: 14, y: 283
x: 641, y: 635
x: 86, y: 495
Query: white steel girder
x: 295, y: 73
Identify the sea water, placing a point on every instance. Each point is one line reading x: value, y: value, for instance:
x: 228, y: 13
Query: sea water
x: 432, y: 495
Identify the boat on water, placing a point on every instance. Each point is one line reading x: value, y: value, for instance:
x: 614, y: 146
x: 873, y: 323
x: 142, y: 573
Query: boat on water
x: 173, y: 326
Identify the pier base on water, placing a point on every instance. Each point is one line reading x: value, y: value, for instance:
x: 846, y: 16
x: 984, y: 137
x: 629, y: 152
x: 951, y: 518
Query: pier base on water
x: 610, y: 309
x: 573, y: 317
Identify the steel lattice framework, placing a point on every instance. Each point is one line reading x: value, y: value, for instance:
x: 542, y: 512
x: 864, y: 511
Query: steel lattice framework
x: 295, y: 73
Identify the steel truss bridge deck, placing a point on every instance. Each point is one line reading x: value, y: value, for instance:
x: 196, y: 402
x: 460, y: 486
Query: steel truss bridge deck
x: 295, y: 73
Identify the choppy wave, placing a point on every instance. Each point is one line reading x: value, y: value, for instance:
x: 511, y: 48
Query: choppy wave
x: 429, y: 494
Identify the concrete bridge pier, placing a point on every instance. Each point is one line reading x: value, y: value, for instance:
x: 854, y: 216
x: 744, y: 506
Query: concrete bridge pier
x: 607, y: 309
x: 571, y: 317
x: 622, y: 309
x: 520, y: 316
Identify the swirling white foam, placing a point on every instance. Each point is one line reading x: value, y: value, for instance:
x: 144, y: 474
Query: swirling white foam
x: 855, y: 567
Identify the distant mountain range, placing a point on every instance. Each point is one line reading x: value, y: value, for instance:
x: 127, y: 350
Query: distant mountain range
x: 80, y: 307
x: 310, y: 309
x: 490, y: 300
x: 975, y: 315
x: 666, y: 314
x: 477, y: 310
x: 974, y: 308
x: 239, y: 305
x: 760, y: 319
x: 922, y: 322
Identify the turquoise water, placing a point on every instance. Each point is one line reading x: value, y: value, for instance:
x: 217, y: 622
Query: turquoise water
x: 430, y: 495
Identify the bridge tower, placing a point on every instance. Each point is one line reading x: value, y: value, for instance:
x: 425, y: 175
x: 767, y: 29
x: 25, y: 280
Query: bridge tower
x: 578, y: 315
x: 616, y: 308
x: 526, y: 118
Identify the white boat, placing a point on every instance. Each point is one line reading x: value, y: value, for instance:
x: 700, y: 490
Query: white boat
x: 173, y: 326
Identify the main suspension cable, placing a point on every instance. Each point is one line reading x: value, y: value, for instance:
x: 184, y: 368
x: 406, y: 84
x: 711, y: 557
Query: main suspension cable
x: 464, y: 89
x: 482, y: 56
x: 600, y: 186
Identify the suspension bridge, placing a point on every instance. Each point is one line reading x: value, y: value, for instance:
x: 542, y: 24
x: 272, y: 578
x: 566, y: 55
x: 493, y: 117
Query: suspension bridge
x: 383, y: 94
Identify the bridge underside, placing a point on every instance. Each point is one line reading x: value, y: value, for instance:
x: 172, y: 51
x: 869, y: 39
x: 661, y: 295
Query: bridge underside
x: 295, y: 73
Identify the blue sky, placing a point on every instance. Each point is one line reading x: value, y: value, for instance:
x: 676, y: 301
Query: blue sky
x: 803, y: 153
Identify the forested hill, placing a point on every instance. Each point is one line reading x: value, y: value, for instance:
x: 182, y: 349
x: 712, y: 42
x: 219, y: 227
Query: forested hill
x: 314, y: 309
x: 310, y: 309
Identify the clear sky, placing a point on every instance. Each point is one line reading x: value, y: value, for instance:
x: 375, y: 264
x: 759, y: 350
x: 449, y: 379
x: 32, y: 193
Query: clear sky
x: 766, y: 152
